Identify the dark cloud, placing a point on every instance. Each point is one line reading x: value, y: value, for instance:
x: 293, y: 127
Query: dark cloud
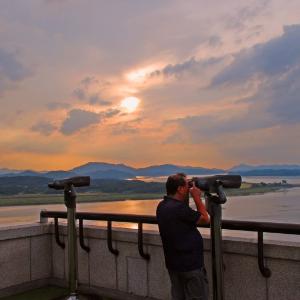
x: 95, y: 99
x: 78, y: 119
x: 83, y: 92
x: 187, y: 66
x: 58, y: 105
x: 79, y: 93
x: 280, y: 97
x: 11, y: 70
x: 210, y: 127
x: 88, y: 80
x: 276, y: 102
x: 44, y: 128
x: 110, y: 113
x: 271, y: 58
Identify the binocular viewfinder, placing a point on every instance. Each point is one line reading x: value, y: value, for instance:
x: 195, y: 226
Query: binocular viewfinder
x: 211, y: 183
x: 75, y: 181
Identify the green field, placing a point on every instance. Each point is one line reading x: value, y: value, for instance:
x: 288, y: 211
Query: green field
x: 36, y: 199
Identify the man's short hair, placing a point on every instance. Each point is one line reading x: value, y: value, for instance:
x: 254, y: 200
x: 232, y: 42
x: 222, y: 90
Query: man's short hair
x: 174, y: 182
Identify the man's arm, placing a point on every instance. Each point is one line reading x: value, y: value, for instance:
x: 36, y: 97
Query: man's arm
x: 196, y: 194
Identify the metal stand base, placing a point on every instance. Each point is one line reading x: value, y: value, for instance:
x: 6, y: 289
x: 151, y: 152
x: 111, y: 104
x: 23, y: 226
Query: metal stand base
x: 80, y: 297
x: 72, y: 297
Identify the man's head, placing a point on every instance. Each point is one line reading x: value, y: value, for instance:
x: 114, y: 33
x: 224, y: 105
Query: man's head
x: 177, y: 185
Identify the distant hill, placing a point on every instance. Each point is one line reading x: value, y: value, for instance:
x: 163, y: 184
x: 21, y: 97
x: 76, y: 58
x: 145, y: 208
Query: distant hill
x: 100, y: 170
x: 96, y: 167
x: 58, y: 174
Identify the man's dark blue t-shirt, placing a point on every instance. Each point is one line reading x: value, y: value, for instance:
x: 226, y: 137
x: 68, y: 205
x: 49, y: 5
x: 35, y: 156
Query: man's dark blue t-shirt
x: 182, y: 242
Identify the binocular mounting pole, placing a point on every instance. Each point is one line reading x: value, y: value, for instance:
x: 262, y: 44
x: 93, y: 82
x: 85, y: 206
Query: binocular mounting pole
x: 213, y: 203
x: 70, y: 202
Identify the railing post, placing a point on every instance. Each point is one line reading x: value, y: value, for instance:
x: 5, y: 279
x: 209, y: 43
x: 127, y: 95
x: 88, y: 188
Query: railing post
x: 266, y: 272
x: 215, y: 211
x: 140, y: 242
x: 70, y: 202
x: 43, y: 219
x: 81, y: 238
x: 56, y: 229
x: 109, y: 239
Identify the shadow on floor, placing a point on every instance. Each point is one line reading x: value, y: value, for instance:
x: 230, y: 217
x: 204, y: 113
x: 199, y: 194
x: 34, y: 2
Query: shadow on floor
x: 49, y: 293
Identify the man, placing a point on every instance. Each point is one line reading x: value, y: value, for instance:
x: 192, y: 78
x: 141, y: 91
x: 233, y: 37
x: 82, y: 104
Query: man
x: 182, y: 242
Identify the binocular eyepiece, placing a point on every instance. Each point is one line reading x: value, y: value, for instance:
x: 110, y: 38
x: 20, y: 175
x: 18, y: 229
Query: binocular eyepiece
x: 77, y: 181
x: 211, y: 183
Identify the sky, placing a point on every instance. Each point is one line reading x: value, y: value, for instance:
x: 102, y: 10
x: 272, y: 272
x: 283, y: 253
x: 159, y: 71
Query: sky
x: 199, y: 83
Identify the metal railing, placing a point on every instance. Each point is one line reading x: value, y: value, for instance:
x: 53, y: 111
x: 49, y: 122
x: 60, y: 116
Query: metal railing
x: 259, y: 227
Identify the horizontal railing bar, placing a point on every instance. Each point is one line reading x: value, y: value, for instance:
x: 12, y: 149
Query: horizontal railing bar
x: 285, y: 228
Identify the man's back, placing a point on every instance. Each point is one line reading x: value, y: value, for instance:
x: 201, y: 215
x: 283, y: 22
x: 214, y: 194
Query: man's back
x: 182, y: 242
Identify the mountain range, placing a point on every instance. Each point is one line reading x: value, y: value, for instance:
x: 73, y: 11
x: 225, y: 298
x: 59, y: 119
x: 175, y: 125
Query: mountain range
x: 100, y: 170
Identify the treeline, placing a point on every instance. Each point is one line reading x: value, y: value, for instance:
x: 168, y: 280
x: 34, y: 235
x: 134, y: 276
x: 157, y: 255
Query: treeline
x: 39, y: 185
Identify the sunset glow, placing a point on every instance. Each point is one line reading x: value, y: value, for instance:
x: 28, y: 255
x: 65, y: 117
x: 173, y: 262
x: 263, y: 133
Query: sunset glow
x: 130, y: 104
x: 183, y: 82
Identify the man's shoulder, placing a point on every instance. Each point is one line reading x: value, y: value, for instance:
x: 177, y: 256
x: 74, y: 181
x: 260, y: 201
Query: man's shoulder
x: 162, y: 203
x: 169, y: 203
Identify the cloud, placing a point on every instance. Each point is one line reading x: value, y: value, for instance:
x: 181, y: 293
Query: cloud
x: 214, y: 41
x: 124, y: 128
x: 275, y: 102
x: 11, y: 70
x: 110, y: 113
x: 79, y: 93
x: 245, y: 14
x: 280, y: 97
x: 57, y: 105
x: 190, y: 65
x: 88, y: 80
x: 273, y: 57
x: 44, y: 128
x: 78, y: 119
x: 86, y: 91
x: 95, y: 99
x: 213, y: 126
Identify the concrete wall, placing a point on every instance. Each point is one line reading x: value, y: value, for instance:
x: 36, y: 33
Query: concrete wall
x: 29, y: 254
x: 25, y: 257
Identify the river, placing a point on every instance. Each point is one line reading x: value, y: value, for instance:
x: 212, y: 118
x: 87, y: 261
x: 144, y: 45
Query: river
x: 281, y: 206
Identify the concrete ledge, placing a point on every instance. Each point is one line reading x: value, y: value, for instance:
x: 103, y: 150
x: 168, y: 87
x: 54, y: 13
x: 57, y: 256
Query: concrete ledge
x: 30, y: 258
x: 21, y: 231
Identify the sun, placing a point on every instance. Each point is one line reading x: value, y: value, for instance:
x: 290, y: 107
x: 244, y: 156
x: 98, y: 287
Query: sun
x: 130, y: 104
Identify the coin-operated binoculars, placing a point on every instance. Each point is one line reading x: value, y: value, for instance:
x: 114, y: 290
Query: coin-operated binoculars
x: 70, y: 201
x: 213, y: 187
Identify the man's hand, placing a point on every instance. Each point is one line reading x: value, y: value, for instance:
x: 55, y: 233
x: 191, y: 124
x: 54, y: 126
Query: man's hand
x: 195, y: 192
